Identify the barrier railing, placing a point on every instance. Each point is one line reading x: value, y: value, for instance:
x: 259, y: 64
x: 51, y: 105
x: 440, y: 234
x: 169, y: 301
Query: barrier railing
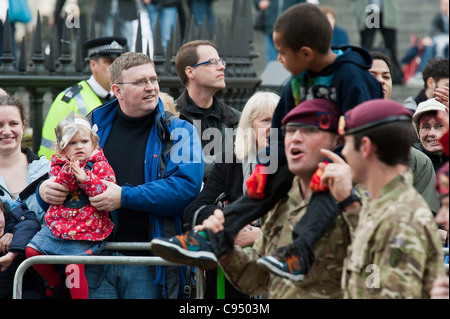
x: 100, y: 260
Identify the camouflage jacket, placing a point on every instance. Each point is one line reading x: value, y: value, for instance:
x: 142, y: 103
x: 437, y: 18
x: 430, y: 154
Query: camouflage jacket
x: 396, y: 250
x: 323, y: 279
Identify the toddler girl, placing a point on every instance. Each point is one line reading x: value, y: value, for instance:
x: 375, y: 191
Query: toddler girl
x: 75, y: 227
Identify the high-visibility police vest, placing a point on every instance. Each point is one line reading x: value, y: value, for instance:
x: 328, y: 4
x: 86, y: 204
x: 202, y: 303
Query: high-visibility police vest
x: 79, y: 98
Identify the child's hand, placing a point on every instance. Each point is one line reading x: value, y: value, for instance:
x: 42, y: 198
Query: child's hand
x: 5, y: 241
x: 6, y: 260
x: 77, y: 171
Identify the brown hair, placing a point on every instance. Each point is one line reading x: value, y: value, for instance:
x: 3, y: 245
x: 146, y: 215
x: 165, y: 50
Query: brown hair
x: 124, y: 62
x: 7, y: 100
x: 187, y: 56
x: 393, y: 150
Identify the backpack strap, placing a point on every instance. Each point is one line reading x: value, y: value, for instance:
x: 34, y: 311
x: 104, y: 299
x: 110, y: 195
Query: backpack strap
x: 31, y: 188
x: 165, y: 137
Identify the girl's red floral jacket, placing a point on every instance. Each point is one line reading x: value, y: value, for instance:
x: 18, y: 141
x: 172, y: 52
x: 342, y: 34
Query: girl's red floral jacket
x: 77, y: 219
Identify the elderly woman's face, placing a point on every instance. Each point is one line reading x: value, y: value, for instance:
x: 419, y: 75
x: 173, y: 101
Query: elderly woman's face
x: 11, y: 128
x: 261, y: 124
x: 430, y: 130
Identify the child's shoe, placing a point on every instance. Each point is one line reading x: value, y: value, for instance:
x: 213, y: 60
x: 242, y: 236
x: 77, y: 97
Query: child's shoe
x: 190, y: 248
x: 285, y: 263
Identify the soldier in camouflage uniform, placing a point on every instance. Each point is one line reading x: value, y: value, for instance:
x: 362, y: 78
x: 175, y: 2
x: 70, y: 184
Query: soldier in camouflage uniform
x: 396, y: 249
x: 323, y: 279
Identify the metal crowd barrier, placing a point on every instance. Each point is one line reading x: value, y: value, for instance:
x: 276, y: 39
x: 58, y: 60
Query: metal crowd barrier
x: 101, y: 260
x: 113, y: 260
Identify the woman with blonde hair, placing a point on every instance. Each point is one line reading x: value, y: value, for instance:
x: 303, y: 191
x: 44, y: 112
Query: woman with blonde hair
x: 226, y: 182
x: 253, y: 130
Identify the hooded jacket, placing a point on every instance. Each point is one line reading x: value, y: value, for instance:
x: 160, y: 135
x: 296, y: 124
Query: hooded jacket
x: 346, y: 81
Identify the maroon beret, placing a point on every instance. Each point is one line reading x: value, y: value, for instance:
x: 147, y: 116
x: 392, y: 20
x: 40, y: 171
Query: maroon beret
x: 316, y: 112
x: 372, y: 113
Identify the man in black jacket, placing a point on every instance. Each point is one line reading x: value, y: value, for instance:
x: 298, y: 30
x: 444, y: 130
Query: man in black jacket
x: 202, y: 72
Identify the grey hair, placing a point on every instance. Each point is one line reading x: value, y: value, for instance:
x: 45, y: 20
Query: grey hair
x: 245, y: 143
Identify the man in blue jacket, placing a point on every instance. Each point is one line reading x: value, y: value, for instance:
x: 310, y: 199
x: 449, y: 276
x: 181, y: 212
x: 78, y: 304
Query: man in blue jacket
x: 154, y: 185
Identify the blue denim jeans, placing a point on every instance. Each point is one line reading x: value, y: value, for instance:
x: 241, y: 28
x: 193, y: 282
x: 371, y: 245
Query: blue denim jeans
x: 201, y: 9
x: 121, y: 281
x: 167, y: 20
x: 271, y: 51
x: 126, y: 30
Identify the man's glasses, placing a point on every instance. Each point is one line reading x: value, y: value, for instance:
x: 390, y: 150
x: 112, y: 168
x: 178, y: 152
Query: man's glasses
x: 211, y: 61
x: 304, y: 130
x: 143, y: 82
x: 427, y: 128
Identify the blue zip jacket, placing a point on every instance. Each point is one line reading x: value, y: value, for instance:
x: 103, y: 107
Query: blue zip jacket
x: 161, y: 197
x: 168, y: 196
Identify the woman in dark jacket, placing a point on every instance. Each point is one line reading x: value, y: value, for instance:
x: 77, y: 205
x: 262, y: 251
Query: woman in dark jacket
x: 225, y: 183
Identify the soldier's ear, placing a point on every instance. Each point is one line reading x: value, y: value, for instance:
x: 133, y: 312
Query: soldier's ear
x: 366, y: 147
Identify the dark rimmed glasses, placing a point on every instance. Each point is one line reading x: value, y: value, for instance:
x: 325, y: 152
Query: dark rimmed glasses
x: 304, y: 129
x: 426, y: 128
x: 143, y: 82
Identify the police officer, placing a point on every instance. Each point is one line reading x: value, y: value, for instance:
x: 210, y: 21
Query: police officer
x: 87, y: 94
x: 396, y: 249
